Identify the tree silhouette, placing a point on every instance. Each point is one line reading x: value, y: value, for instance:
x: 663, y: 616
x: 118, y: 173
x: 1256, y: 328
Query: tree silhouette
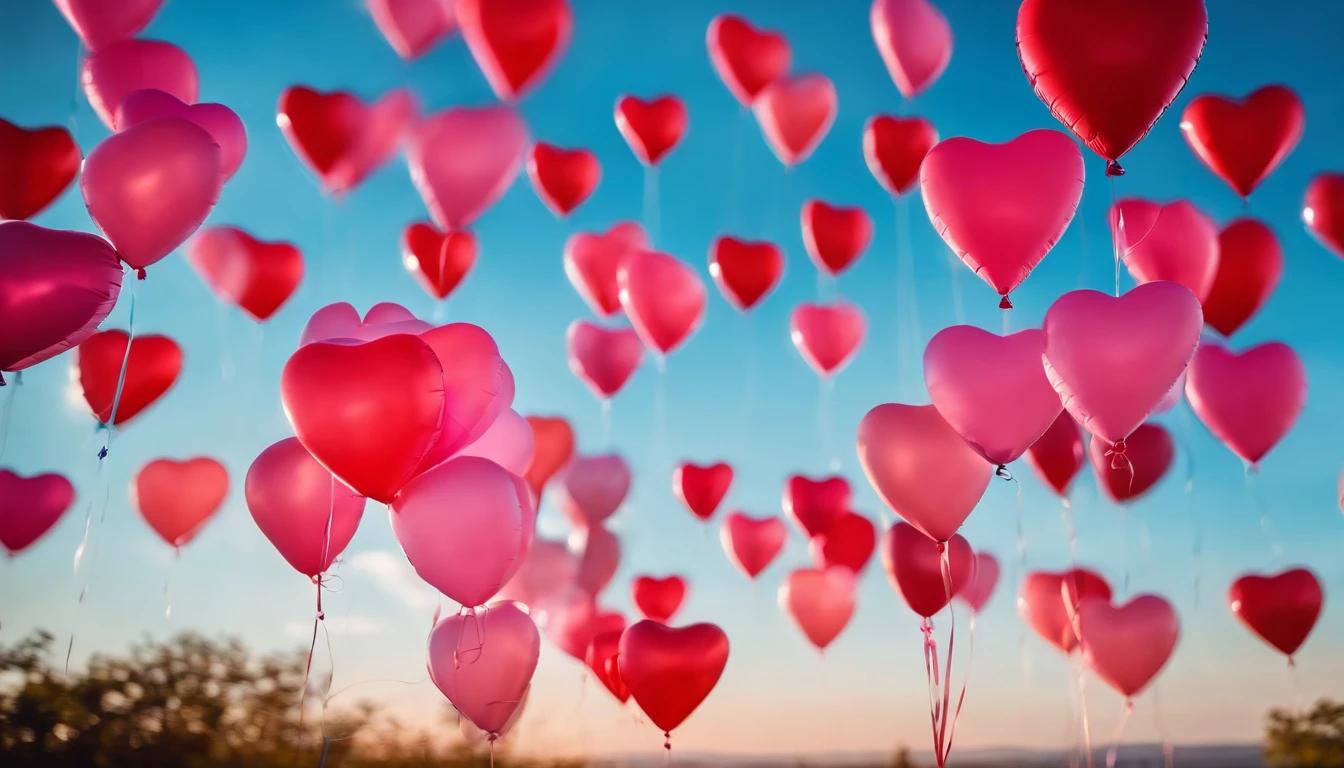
x: 1312, y: 739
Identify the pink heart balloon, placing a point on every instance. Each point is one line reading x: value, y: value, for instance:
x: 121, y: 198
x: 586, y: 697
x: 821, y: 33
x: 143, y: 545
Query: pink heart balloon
x: 828, y: 337
x: 548, y: 571
x: 984, y: 578
x: 1248, y: 400
x: 477, y: 386
x: 30, y: 506
x: 223, y: 125
x: 1127, y: 645
x: 752, y: 543
x: 1002, y: 207
x: 150, y: 187
x: 1175, y: 242
x: 114, y: 72
x: 177, y: 498
x: 991, y: 389
x: 412, y: 27
x: 599, y: 560
x: 508, y: 442
x: 463, y: 160
x: 593, y: 260
x: 484, y: 661
x: 342, y: 321
x: 591, y: 488
x: 603, y: 358
x: 921, y: 467
x: 663, y: 297
x: 915, y: 41
x: 1113, y: 359
x: 99, y: 23
x: 821, y: 603
x: 796, y: 113
x: 1173, y: 396
x: 914, y: 566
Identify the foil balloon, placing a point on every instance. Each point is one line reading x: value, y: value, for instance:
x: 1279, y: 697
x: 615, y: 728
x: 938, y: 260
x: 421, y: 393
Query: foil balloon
x: 177, y: 498
x: 1127, y: 645
x: 548, y: 571
x: 341, y: 321
x: 847, y: 543
x: 1323, y: 211
x: 983, y: 580
x: 516, y: 43
x: 563, y: 178
x: 746, y: 59
x: 553, y: 441
x: 257, y: 276
x: 412, y: 27
x: 1280, y: 609
x: 701, y: 488
x: 1250, y: 264
x: 815, y: 505
x: 915, y: 41
x: 1047, y: 602
x: 36, y: 166
x: 1149, y: 452
x: 1249, y: 400
x: 592, y: 488
x: 1058, y: 454
x: 663, y: 297
x: 104, y: 368
x: 827, y: 336
x: 438, y: 261
x: 569, y: 618
x: 796, y: 113
x: 599, y: 557
x: 120, y: 68
x: 1244, y: 140
x: 593, y: 262
x: 1175, y: 242
x: 222, y: 123
x: 895, y: 147
x: 603, y: 659
x: 508, y: 442
x: 99, y: 23
x: 483, y: 663
x: 914, y: 566
x: 339, y: 138
x: 30, y: 507
x: 820, y: 602
x: 670, y: 672
x: 752, y: 543
x: 463, y: 160
x: 658, y: 599
x: 835, y: 237
x: 477, y: 387
x: 745, y: 271
x: 652, y: 128
x: 603, y: 358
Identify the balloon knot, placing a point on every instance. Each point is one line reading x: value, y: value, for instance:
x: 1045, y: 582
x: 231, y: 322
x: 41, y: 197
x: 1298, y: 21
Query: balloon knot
x: 1113, y: 168
x: 321, y: 616
x: 942, y: 547
x: 1002, y: 471
x: 1004, y: 303
x: 2, y: 378
x: 667, y: 740
x: 102, y: 453
x: 1117, y: 455
x: 140, y: 274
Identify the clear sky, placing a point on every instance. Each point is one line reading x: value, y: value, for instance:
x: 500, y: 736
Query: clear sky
x: 738, y: 390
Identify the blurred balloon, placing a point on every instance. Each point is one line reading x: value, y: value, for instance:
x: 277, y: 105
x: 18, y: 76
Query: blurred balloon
x: 895, y: 148
x: 745, y: 58
x: 745, y: 271
x: 796, y: 112
x: 477, y: 387
x: 36, y: 166
x: 752, y: 543
x: 114, y: 71
x: 1058, y: 454
x: 600, y: 557
x: 563, y: 178
x: 340, y: 321
x: 835, y: 237
x: 983, y: 580
x: 603, y: 659
x: 1281, y: 609
x: 104, y: 368
x: 702, y: 488
x: 1249, y: 400
x: 412, y: 27
x: 483, y: 662
x: 549, y: 570
x: 1243, y: 140
x: 553, y: 441
x: 1175, y: 242
x: 257, y: 276
x: 663, y: 297
x: 222, y: 123
x: 815, y: 505
x: 651, y: 128
x: 658, y: 599
x: 1044, y: 600
x: 847, y: 543
x: 592, y: 488
x: 1250, y: 263
x: 516, y: 43
x: 573, y: 620
x: 1148, y: 455
x: 177, y: 498
x: 437, y: 260
x: 1173, y: 396
x: 463, y: 160
x: 338, y: 138
x: 603, y: 358
x: 508, y: 442
x: 914, y: 565
x: 915, y: 41
x: 99, y: 23
x: 593, y: 262
x: 827, y: 336
x: 820, y: 602
x: 31, y: 506
x: 671, y: 671
x: 1323, y: 211
x: 1127, y: 645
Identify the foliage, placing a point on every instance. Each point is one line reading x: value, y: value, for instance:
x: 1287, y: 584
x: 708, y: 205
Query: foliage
x: 1312, y: 739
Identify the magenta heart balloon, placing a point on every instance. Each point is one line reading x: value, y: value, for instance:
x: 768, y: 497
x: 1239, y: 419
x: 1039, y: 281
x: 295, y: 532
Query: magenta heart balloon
x: 477, y: 386
x: 55, y: 288
x: 663, y: 297
x: 827, y: 336
x: 921, y: 467
x: 1175, y: 242
x: 603, y: 358
x: 1126, y: 646
x: 599, y: 558
x: 915, y: 41
x: 796, y: 113
x: 1113, y: 359
x: 591, y: 488
x: 819, y: 602
x: 150, y: 187
x: 508, y: 442
x: 384, y: 125
x: 1248, y: 400
x: 99, y: 23
x: 223, y: 125
x: 463, y: 160
x: 342, y: 321
x: 483, y: 662
x: 1002, y: 207
x: 548, y: 571
x: 30, y: 506
x: 126, y: 66
x: 991, y: 389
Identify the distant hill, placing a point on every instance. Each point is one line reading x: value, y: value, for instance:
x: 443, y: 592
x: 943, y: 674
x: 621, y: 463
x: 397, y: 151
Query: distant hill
x: 1130, y: 756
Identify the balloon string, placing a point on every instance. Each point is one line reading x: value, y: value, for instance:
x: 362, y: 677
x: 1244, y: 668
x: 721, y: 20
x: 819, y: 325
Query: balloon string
x: 7, y: 415
x: 667, y: 747
x: 326, y: 748
x: 167, y: 584
x: 1070, y: 530
x: 746, y: 339
x: 1252, y: 475
x: 1119, y: 234
x: 1082, y: 703
x: 1168, y: 751
x: 474, y: 621
x: 825, y: 420
x: 111, y: 425
x: 1299, y: 707
x: 733, y: 210
x: 1197, y: 534
x: 1082, y: 247
x: 931, y: 675
x: 1124, y: 550
x: 606, y: 422
x: 660, y: 412
x: 909, y: 296
x: 74, y: 100
x: 651, y: 203
x: 493, y: 738
x: 1114, y: 751
x: 102, y: 476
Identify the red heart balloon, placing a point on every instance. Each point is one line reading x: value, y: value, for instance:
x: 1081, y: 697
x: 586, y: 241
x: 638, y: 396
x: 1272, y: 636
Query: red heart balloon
x: 914, y: 565
x: 895, y: 147
x: 671, y: 671
x: 31, y: 506
x: 701, y: 489
x: 599, y: 559
x: 820, y: 602
x: 369, y: 412
x: 412, y: 27
x: 1176, y: 242
x: 1248, y: 400
x: 255, y: 275
x: 1280, y: 609
x: 593, y: 261
x: 151, y: 367
x: 1127, y: 645
x: 658, y: 599
x: 177, y: 498
x: 1323, y: 210
x: 1058, y: 454
x: 339, y: 138
x: 663, y: 297
x: 553, y: 445
x: 835, y: 237
x: 515, y: 42
x: 573, y: 621
x: 603, y: 358
x: 752, y: 543
x: 436, y: 260
x: 815, y: 505
x: 651, y: 128
x: 36, y: 166
x: 1110, y: 95
x: 746, y: 58
x: 744, y: 271
x: 848, y: 542
x: 1042, y: 602
x: 1244, y: 140
x: 603, y: 659
x: 986, y: 577
x: 1250, y: 263
x: 828, y: 337
x: 99, y: 23
x: 1148, y: 455
x: 796, y: 113
x: 563, y: 178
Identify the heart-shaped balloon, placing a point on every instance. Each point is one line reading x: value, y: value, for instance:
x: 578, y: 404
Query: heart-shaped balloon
x: 827, y: 336
x: 895, y: 148
x: 177, y: 498
x: 915, y: 41
x: 847, y: 543
x: 31, y: 506
x: 563, y: 178
x: 921, y: 467
x: 477, y: 386
x: 1127, y: 645
x: 745, y: 271
x: 752, y: 543
x: 463, y: 160
x: 515, y: 42
x: 815, y: 505
x: 603, y: 659
x: 796, y: 113
x: 338, y: 138
x: 1002, y: 207
x: 1248, y: 400
x: 1250, y: 263
x: 125, y: 66
x: 746, y: 59
x: 593, y: 261
x: 983, y: 580
x: 55, y: 288
x: 1112, y: 359
x: 150, y: 187
x: 99, y: 23
x: 702, y: 489
x: 341, y: 321
x: 1043, y: 602
x: 1148, y: 455
x: 991, y: 389
x: 483, y: 662
x: 569, y: 619
x: 1281, y: 609
x: 592, y: 488
x: 38, y: 163
x: 436, y: 260
x: 835, y: 237
x: 914, y: 565
x: 548, y: 571
x: 104, y: 368
x: 1058, y: 454
x: 255, y: 275
x: 1323, y: 210
x: 671, y: 671
x: 222, y: 123
x: 412, y: 27
x: 820, y: 602
x: 599, y: 557
x: 603, y: 358
x: 508, y: 442
x: 553, y: 439
x: 658, y: 599
x: 663, y: 297
x: 1244, y: 140
x: 651, y: 128
x: 1175, y: 242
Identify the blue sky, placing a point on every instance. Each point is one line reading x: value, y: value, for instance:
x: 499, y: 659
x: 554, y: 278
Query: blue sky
x: 738, y: 390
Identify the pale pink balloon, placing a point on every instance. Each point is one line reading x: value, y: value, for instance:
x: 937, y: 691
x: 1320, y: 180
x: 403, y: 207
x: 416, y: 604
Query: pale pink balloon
x: 477, y: 385
x: 548, y: 570
x: 1113, y: 359
x: 991, y: 389
x: 223, y: 125
x: 821, y: 603
x: 796, y: 112
x: 1248, y: 400
x: 99, y: 22
x: 983, y: 580
x: 342, y: 321
x: 412, y: 27
x: 31, y: 506
x: 465, y: 526
x: 599, y: 557
x: 306, y: 514
x: 592, y: 261
x: 591, y: 488
x: 1002, y: 207
x: 463, y: 160
x: 603, y: 358
x: 384, y: 125
x: 663, y: 297
x: 921, y: 467
x: 827, y: 336
x: 483, y: 662
x: 1176, y: 242
x: 752, y: 543
x: 114, y: 72
x: 508, y: 442
x: 915, y: 41
x: 1127, y: 645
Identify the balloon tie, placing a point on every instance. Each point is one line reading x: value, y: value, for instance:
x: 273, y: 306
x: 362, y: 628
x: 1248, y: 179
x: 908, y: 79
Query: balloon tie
x: 1002, y: 472
x: 1114, y: 751
x: 121, y: 379
x: 492, y: 739
x: 1004, y: 303
x: 473, y: 621
x: 2, y: 378
x: 1113, y: 169
x: 140, y: 274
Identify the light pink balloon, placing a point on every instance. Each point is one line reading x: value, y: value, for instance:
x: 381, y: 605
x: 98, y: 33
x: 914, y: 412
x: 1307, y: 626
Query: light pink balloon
x: 31, y: 506
x: 150, y: 187
x: 921, y: 467
x: 342, y: 321
x: 484, y: 661
x: 1112, y: 360
x: 1002, y: 207
x: 991, y: 389
x: 1127, y: 645
x: 603, y: 358
x: 796, y: 112
x: 99, y: 22
x: 223, y: 125
x: 983, y: 580
x: 508, y: 442
x: 465, y: 526
x: 827, y: 336
x: 915, y: 41
x: 306, y: 514
x: 592, y: 261
x: 591, y: 488
x: 385, y: 123
x: 412, y: 27
x: 477, y: 385
x: 819, y: 602
x: 1248, y: 400
x: 548, y: 570
x: 599, y: 559
x: 1176, y: 242
x: 117, y: 70
x: 463, y: 160
x: 752, y: 543
x: 663, y: 297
